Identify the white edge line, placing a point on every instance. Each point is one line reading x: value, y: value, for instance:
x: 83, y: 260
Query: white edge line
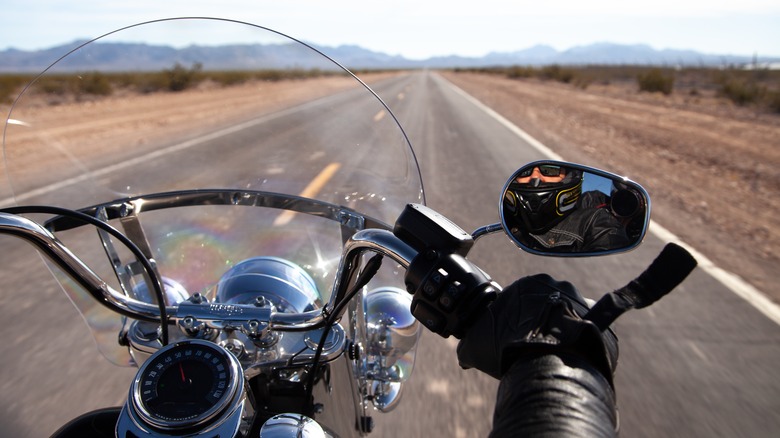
x: 731, y: 281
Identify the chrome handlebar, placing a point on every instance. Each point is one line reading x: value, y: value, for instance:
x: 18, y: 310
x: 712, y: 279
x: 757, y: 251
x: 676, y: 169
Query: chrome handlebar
x: 214, y: 315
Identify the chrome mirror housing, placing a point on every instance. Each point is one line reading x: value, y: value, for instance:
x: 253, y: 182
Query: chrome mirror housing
x: 565, y: 209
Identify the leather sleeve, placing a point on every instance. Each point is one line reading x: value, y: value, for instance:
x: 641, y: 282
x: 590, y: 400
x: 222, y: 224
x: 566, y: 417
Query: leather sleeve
x: 554, y: 396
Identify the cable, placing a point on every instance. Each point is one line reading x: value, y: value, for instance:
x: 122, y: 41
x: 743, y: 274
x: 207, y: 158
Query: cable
x: 371, y: 268
x: 156, y: 284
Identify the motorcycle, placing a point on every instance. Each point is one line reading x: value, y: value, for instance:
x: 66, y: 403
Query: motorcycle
x: 269, y: 278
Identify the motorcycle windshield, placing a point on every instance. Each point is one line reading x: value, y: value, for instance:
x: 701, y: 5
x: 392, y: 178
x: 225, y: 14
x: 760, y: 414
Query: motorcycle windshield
x: 264, y: 146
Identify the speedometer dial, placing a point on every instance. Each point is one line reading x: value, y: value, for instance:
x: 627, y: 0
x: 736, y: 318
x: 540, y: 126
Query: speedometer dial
x: 185, y: 384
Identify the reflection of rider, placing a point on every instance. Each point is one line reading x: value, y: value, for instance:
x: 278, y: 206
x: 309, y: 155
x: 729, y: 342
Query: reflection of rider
x: 550, y: 212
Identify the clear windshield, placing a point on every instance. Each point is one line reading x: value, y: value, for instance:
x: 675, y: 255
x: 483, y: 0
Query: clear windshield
x: 195, y: 106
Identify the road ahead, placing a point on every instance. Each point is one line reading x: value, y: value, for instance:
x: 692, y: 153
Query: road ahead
x: 699, y: 363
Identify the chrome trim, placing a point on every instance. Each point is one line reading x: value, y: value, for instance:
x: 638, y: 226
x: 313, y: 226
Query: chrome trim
x: 383, y: 242
x: 121, y: 208
x: 215, y: 315
x: 378, y: 241
x: 386, y: 395
x: 51, y: 247
x: 291, y: 349
x: 291, y: 425
x: 392, y: 334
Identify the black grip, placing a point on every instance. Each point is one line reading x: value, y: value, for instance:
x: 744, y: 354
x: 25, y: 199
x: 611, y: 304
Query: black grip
x: 667, y: 271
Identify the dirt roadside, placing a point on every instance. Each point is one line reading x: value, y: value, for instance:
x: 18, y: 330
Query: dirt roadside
x: 712, y: 168
x: 127, y: 124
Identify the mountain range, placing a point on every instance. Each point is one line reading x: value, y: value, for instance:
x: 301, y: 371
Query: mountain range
x: 235, y: 57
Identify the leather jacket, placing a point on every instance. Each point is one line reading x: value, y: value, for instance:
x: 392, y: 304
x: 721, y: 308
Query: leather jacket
x: 590, y: 227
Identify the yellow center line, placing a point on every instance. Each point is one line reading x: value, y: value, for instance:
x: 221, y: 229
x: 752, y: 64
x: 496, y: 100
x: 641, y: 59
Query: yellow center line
x: 379, y: 116
x: 310, y: 191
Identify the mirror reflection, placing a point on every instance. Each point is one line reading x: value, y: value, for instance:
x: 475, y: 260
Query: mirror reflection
x: 561, y: 208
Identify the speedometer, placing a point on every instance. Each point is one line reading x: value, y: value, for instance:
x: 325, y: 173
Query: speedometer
x: 186, y: 384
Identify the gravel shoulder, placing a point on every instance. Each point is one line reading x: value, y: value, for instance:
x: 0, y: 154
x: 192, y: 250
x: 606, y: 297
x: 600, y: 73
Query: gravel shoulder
x: 710, y: 167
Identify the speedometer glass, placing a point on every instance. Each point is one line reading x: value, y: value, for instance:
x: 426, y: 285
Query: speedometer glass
x: 185, y: 384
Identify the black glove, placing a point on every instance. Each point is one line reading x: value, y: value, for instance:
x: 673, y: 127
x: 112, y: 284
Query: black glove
x: 536, y: 316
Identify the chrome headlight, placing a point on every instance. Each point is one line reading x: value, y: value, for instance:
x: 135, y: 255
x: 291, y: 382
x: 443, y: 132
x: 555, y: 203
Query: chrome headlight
x: 284, y: 284
x: 391, y: 334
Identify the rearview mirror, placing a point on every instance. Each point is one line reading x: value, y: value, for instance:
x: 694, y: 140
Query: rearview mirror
x: 565, y: 209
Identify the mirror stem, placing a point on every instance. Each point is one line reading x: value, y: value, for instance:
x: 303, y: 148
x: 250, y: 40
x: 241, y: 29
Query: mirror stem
x: 487, y: 229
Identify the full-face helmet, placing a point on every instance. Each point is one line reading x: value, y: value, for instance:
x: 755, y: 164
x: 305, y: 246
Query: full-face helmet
x: 542, y: 196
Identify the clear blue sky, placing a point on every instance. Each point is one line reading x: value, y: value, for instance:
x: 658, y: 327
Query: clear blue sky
x: 423, y: 28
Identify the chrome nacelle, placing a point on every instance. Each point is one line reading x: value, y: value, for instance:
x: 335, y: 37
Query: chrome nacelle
x: 391, y: 344
x: 392, y: 333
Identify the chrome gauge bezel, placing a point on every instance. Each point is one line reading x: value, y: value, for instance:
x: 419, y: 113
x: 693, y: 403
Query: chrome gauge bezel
x: 225, y: 402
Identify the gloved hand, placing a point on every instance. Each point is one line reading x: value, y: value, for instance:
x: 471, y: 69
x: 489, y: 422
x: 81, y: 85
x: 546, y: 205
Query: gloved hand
x: 532, y: 317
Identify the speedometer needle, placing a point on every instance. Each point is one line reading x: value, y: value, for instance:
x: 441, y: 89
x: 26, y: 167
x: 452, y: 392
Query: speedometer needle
x: 181, y: 371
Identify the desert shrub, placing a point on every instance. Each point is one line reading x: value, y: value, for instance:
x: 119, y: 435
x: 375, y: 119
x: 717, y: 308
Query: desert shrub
x: 151, y: 82
x: 270, y: 75
x: 741, y: 91
x: 557, y: 73
x: 773, y: 101
x: 132, y: 80
x: 517, y: 72
x: 582, y: 82
x: 180, y: 78
x: 54, y: 85
x: 227, y: 78
x: 10, y: 86
x: 94, y: 83
x: 654, y: 81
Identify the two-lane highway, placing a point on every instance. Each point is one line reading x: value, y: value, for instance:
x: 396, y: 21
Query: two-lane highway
x: 699, y: 363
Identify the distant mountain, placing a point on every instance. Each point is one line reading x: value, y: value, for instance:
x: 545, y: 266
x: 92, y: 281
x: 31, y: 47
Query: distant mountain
x: 234, y: 57
x: 106, y: 56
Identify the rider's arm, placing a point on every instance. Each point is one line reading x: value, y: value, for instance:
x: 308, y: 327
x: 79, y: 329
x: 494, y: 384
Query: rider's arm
x: 554, y: 395
x: 555, y: 368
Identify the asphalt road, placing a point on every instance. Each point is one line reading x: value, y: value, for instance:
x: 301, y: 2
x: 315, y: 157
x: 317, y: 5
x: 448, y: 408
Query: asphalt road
x: 699, y: 363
